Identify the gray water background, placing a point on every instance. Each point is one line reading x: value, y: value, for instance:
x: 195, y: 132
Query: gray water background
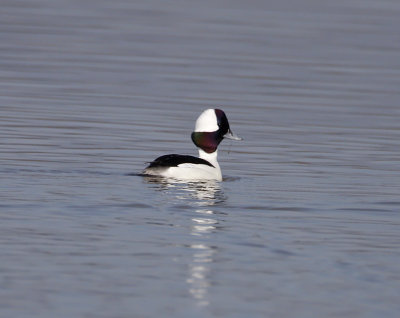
x: 306, y: 221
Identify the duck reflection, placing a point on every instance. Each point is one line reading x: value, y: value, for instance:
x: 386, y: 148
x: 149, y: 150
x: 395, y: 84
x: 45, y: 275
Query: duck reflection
x: 203, y: 255
x: 204, y: 197
x: 204, y: 192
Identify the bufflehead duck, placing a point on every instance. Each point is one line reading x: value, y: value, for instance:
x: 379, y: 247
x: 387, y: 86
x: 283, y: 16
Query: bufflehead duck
x: 211, y: 127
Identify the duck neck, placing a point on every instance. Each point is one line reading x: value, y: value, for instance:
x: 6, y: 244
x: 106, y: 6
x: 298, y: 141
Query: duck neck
x: 210, y: 157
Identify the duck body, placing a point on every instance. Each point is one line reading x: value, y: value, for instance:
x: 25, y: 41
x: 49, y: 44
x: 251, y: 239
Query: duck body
x: 211, y: 128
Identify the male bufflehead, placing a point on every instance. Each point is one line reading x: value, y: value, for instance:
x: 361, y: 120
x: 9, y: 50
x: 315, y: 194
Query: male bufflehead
x: 211, y: 127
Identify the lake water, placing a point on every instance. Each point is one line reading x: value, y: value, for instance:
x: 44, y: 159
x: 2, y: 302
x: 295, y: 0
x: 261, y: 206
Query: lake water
x: 307, y: 220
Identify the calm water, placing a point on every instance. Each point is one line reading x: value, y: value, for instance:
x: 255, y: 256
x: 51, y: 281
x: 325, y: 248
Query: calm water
x: 306, y: 221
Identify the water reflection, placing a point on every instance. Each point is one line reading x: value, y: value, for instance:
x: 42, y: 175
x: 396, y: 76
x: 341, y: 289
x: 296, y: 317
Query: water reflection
x: 199, y: 273
x: 204, y: 193
x: 202, y: 196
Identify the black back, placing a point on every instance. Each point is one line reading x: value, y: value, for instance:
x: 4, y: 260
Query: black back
x: 174, y: 160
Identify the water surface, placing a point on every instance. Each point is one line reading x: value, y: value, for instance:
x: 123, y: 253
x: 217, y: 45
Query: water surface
x: 306, y: 221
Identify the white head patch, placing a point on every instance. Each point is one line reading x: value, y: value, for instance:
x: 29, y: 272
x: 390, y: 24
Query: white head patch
x: 207, y: 121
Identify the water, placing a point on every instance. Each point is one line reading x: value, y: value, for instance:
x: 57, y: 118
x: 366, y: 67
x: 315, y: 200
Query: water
x: 306, y: 221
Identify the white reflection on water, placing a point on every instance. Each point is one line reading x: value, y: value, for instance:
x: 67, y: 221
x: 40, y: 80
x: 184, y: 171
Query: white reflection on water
x: 203, y: 255
x: 203, y: 225
x: 198, y: 277
x: 203, y: 196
